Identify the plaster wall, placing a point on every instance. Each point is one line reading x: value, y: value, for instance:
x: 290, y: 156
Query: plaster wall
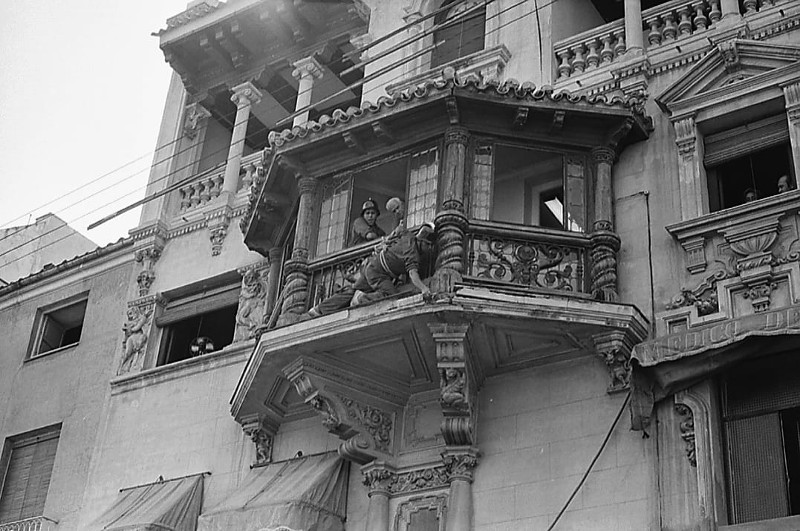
x: 215, y: 147
x: 538, y: 431
x: 68, y: 386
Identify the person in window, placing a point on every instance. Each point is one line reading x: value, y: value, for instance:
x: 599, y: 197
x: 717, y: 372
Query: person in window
x: 365, y: 227
x: 397, y: 207
x: 750, y: 195
x: 784, y: 184
x: 377, y: 278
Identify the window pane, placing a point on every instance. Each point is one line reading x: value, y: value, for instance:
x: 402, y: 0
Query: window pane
x: 528, y: 187
x: 481, y: 189
x: 465, y: 35
x: 422, y: 182
x: 61, y: 327
x: 333, y: 216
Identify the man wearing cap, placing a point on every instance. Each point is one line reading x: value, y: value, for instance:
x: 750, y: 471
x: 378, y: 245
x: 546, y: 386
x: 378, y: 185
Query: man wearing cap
x: 365, y: 227
x: 379, y: 271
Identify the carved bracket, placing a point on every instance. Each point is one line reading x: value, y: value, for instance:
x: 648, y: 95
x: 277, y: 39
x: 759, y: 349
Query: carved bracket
x: 349, y: 408
x: 262, y: 432
x: 458, y: 382
x: 687, y: 431
x: 217, y: 222
x: 615, y: 350
x: 149, y: 246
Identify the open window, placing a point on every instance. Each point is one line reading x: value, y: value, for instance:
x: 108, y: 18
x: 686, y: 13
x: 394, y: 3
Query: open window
x: 59, y: 326
x: 198, y: 323
x: 746, y: 163
x: 412, y: 177
x: 529, y: 187
x: 461, y: 32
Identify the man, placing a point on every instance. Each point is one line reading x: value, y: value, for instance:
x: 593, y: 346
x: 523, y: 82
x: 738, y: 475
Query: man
x: 397, y: 207
x: 750, y: 195
x: 379, y: 271
x: 365, y: 227
x: 784, y: 184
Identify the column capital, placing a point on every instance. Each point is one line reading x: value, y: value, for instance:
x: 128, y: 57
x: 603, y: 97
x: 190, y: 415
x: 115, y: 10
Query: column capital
x: 245, y: 94
x: 307, y: 66
x: 456, y: 135
x: 307, y: 184
x: 378, y: 477
x: 603, y: 155
x: 685, y: 135
x: 275, y: 254
x: 460, y: 462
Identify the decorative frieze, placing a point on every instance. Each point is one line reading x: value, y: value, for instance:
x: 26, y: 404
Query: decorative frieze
x: 432, y: 477
x: 703, y: 297
x: 378, y: 477
x: 377, y: 423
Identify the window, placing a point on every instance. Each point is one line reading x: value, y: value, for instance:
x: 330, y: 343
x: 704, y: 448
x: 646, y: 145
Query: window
x: 27, y: 465
x: 198, y: 323
x: 745, y: 163
x: 410, y: 176
x: 462, y: 32
x: 59, y: 326
x: 761, y: 418
x: 517, y: 185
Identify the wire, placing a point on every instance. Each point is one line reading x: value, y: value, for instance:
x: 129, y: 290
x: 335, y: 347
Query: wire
x: 591, y: 465
x: 198, y: 176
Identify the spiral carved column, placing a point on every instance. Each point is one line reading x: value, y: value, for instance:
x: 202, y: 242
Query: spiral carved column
x: 604, y: 241
x: 451, y: 221
x: 295, y: 290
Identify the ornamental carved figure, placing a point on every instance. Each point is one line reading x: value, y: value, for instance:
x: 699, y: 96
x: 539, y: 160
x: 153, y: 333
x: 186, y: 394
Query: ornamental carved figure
x: 263, y: 443
x: 686, y: 426
x: 452, y: 384
x: 619, y: 368
x: 134, y: 341
x: 251, y: 304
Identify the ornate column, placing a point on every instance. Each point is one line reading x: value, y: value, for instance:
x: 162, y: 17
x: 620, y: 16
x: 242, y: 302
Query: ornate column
x: 691, y: 172
x: 296, y: 286
x: 605, y: 242
x: 730, y: 9
x: 378, y: 478
x: 791, y: 94
x: 305, y: 71
x: 634, y: 35
x: 451, y: 221
x: 244, y: 96
x: 460, y: 463
x: 273, y: 278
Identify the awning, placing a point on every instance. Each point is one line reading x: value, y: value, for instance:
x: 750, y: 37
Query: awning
x: 672, y: 363
x: 302, y: 494
x: 171, y: 505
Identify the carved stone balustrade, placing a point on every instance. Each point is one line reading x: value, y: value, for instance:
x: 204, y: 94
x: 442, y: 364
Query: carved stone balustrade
x: 529, y: 257
x: 667, y: 23
x: 740, y: 261
x: 590, y: 49
x: 205, y: 188
x: 39, y: 523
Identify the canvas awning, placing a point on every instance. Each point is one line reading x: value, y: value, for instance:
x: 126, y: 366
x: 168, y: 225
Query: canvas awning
x: 171, y: 505
x: 305, y: 493
x: 674, y: 362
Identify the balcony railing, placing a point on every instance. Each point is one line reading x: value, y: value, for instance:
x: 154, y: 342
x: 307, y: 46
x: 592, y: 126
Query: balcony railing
x: 529, y: 257
x: 331, y: 273
x: 663, y: 24
x: 39, y: 523
x: 208, y: 185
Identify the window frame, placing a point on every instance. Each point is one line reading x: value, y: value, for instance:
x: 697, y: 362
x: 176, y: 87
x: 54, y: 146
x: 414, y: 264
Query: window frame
x: 21, y: 440
x: 352, y: 172
x: 566, y: 155
x: 443, y: 19
x: 41, y: 320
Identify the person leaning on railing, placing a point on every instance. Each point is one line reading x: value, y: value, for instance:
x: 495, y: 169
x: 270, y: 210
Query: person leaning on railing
x: 377, y: 277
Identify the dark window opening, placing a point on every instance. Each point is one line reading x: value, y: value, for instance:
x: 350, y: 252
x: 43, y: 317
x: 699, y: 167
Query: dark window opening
x: 748, y: 178
x: 461, y: 37
x: 761, y: 415
x: 551, y: 209
x: 198, y: 335
x: 61, y: 328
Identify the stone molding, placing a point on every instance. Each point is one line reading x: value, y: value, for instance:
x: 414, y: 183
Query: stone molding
x: 406, y: 509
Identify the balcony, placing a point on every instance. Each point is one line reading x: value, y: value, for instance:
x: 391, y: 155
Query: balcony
x: 672, y: 30
x: 207, y: 186
x: 38, y: 523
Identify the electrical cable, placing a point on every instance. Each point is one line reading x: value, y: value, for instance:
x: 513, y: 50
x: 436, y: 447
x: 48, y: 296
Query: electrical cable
x: 591, y: 465
x: 186, y: 181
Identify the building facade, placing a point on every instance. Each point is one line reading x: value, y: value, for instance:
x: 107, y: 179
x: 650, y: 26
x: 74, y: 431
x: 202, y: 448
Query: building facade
x: 614, y: 193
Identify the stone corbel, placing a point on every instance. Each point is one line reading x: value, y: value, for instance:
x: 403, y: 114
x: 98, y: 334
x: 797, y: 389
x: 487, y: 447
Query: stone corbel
x: 691, y: 172
x: 615, y: 349
x: 752, y: 242
x: 195, y: 118
x: 262, y: 432
x: 367, y: 429
x: 218, y: 222
x: 458, y: 382
x: 150, y: 242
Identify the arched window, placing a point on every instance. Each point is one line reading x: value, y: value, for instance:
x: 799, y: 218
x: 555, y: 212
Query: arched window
x: 461, y: 33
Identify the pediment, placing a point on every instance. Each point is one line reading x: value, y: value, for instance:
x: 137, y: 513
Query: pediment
x: 725, y: 66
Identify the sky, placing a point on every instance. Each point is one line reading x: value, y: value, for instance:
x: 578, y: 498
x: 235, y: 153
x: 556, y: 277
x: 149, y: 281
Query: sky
x: 82, y: 89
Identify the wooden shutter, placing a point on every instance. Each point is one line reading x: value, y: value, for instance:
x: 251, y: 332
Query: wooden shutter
x: 27, y: 477
x: 748, y: 138
x: 200, y: 303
